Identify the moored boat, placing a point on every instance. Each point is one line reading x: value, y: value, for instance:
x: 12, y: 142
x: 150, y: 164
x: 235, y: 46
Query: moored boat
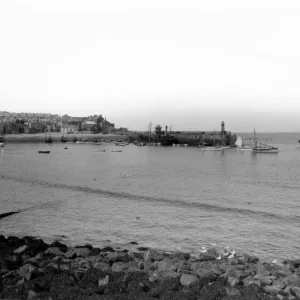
x: 212, y: 148
x: 48, y: 139
x: 44, y: 151
x: 263, y: 148
x: 63, y: 139
x: 2, y: 141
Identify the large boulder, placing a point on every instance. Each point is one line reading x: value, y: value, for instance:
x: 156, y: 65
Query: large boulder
x: 205, y: 275
x: 153, y: 255
x: 26, y: 271
x: 77, y: 252
x: 21, y: 250
x: 187, y: 280
x: 54, y: 251
x: 118, y: 257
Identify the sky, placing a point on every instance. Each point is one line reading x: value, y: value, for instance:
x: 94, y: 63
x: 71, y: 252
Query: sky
x: 182, y: 63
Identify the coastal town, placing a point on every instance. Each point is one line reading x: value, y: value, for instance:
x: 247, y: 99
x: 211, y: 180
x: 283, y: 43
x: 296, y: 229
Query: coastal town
x: 29, y: 123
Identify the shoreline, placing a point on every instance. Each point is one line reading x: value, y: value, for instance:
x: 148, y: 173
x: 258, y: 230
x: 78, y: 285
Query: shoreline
x: 32, y: 269
x: 56, y: 136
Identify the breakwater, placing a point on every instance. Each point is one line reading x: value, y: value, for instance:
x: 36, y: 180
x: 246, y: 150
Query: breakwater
x: 34, y: 269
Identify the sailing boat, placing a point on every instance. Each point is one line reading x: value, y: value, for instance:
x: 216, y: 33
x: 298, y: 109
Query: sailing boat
x: 213, y: 148
x: 241, y: 145
x: 263, y: 148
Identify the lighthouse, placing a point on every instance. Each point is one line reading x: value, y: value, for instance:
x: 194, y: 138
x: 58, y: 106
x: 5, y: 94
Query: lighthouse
x: 222, y: 127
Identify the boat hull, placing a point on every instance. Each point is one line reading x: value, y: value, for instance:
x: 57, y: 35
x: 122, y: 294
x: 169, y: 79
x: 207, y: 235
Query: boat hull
x: 265, y: 150
x: 245, y: 149
x: 44, y: 151
x: 212, y: 149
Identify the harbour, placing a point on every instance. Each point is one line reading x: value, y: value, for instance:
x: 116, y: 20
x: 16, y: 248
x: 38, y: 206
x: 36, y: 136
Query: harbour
x: 183, y: 197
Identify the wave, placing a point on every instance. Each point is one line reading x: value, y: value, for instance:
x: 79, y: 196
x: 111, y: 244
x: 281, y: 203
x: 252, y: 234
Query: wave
x: 173, y: 202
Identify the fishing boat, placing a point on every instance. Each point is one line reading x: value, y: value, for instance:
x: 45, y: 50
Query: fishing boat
x: 120, y: 144
x: 241, y: 146
x: 63, y: 139
x: 265, y: 149
x: 44, y: 151
x: 261, y: 147
x: 116, y: 150
x: 48, y: 139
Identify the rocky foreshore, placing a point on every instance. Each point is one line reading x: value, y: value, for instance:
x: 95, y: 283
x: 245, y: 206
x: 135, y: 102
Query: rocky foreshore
x: 32, y: 269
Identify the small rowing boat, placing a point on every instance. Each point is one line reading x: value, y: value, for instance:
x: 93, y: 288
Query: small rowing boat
x: 44, y: 151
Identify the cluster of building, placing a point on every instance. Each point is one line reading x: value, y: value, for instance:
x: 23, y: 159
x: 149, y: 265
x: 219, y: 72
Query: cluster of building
x: 15, y: 123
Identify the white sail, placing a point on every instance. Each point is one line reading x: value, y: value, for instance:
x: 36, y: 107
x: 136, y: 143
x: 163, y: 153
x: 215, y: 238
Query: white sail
x: 239, y: 141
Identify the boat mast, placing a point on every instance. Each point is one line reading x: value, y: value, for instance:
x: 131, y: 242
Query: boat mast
x: 255, y: 139
x: 150, y: 124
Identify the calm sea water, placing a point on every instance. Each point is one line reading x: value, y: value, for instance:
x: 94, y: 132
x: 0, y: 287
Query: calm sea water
x: 163, y: 197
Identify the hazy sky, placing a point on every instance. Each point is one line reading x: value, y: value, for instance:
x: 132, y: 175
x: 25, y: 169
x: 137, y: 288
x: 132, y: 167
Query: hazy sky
x: 187, y: 63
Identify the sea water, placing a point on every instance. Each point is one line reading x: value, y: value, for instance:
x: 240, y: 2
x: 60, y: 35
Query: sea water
x: 164, y: 197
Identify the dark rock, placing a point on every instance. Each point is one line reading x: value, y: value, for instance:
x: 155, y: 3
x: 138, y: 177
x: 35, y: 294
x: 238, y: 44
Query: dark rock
x: 2, y: 239
x: 12, y: 261
x: 133, y: 243
x: 167, y: 284
x: 95, y: 251
x: 93, y: 275
x: 181, y: 295
x: 53, y: 251
x: 153, y: 255
x: 15, y: 241
x: 206, y: 257
x: 88, y: 246
x: 250, y: 258
x: 118, y: 257
x: 11, y: 292
x: 107, y: 249
x: 68, y: 292
x: 116, y: 284
x: 211, y: 292
x: 137, y: 282
x: 181, y: 255
x: 205, y: 275
x: 143, y: 248
x: 11, y: 280
x: 60, y: 246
